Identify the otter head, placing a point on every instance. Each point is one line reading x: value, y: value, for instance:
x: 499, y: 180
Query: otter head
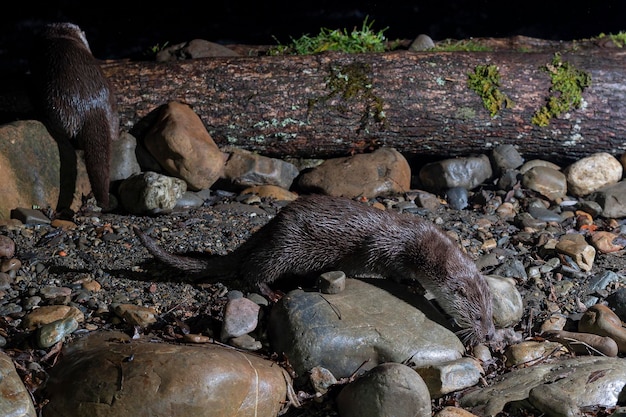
x: 475, y: 311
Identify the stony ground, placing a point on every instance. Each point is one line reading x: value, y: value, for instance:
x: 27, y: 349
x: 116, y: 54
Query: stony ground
x: 103, y: 248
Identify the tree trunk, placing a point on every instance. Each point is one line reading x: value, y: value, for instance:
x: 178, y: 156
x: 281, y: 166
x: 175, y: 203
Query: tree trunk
x: 334, y: 104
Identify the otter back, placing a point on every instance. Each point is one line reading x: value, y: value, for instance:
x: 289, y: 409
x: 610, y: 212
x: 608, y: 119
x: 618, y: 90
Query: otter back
x: 75, y: 99
x: 316, y: 234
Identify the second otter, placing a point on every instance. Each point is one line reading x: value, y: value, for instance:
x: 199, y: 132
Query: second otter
x: 76, y: 100
x: 315, y: 234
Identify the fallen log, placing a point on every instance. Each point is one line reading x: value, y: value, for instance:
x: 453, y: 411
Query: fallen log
x: 334, y: 104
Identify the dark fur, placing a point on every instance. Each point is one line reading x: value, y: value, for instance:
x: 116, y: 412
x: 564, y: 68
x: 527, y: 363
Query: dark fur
x: 75, y: 99
x: 317, y: 233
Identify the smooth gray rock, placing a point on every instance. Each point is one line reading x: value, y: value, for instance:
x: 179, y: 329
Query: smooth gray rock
x: 363, y: 326
x: 244, y: 169
x: 123, y: 157
x: 450, y: 376
x: 579, y: 382
x: 508, y: 306
x: 466, y: 172
x: 506, y: 157
x: 390, y: 389
x: 612, y: 199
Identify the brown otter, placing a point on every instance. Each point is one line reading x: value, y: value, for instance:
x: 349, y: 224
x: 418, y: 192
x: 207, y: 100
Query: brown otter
x: 75, y: 99
x: 319, y: 233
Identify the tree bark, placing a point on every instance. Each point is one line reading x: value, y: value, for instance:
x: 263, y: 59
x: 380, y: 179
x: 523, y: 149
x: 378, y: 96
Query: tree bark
x: 334, y: 104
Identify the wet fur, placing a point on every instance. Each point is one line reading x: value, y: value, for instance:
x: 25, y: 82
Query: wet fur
x: 318, y: 233
x: 75, y: 99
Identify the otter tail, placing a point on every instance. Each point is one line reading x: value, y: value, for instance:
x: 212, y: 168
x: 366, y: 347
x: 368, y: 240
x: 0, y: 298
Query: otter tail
x: 191, y: 265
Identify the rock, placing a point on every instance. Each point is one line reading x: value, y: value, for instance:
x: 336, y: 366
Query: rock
x: 29, y: 216
x: 30, y: 169
x: 508, y: 306
x: 15, y: 400
x: 580, y: 382
x: 182, y: 145
x: 332, y: 282
x: 457, y: 197
x: 196, y: 48
x: 241, y: 316
x: 7, y: 247
x: 468, y: 172
x: 446, y: 377
x: 321, y: 379
x: 51, y: 333
x: 380, y: 173
x: 135, y: 315
x: 538, y: 163
x: 592, y: 173
x: 526, y: 353
x: 546, y: 181
x: 123, y: 158
x: 271, y: 191
x: 390, y: 389
x: 575, y: 246
x: 150, y: 193
x: 106, y: 374
x: 362, y: 326
x: 612, y: 199
x: 506, y: 158
x: 245, y: 169
x: 584, y: 343
x: 601, y: 320
x: 604, y: 242
x: 48, y: 314
x: 450, y: 411
x: 422, y: 43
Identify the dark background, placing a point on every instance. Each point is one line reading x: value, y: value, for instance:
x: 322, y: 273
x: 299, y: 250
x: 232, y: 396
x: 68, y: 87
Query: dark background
x: 127, y: 29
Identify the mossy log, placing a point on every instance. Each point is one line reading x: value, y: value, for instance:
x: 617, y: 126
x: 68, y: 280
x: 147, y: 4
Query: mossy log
x: 334, y: 104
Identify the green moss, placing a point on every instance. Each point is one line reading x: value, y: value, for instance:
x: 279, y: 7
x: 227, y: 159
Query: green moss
x: 465, y: 45
x: 618, y: 39
x: 349, y: 84
x: 485, y: 81
x: 356, y: 41
x: 568, y: 84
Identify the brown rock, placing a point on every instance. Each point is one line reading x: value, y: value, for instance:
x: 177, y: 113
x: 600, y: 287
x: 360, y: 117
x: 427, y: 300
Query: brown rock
x: 48, y: 314
x: 30, y: 169
x: 14, y: 397
x: 604, y: 242
x: 601, y: 320
x: 105, y: 374
x: 182, y: 145
x: 7, y: 247
x: 271, y: 191
x: 382, y: 172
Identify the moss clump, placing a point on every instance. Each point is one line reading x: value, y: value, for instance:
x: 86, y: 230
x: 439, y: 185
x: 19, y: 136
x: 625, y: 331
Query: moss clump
x: 618, y: 39
x: 352, y: 83
x: 464, y: 45
x: 356, y: 41
x: 485, y: 81
x: 568, y: 84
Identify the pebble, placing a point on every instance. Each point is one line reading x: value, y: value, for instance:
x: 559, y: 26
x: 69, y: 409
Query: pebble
x: 51, y: 333
x: 591, y: 173
x: 7, y: 247
x: 135, y: 315
x: 446, y: 377
x: 241, y: 316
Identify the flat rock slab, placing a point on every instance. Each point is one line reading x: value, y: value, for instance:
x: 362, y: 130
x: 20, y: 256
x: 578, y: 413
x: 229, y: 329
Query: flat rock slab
x: 108, y: 375
x: 359, y: 328
x: 556, y: 389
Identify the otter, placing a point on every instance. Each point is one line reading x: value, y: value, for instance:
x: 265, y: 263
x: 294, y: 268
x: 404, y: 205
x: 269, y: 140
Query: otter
x: 75, y: 99
x: 317, y: 233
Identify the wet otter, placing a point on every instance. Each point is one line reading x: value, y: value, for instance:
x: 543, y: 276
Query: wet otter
x: 319, y: 233
x: 75, y: 99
